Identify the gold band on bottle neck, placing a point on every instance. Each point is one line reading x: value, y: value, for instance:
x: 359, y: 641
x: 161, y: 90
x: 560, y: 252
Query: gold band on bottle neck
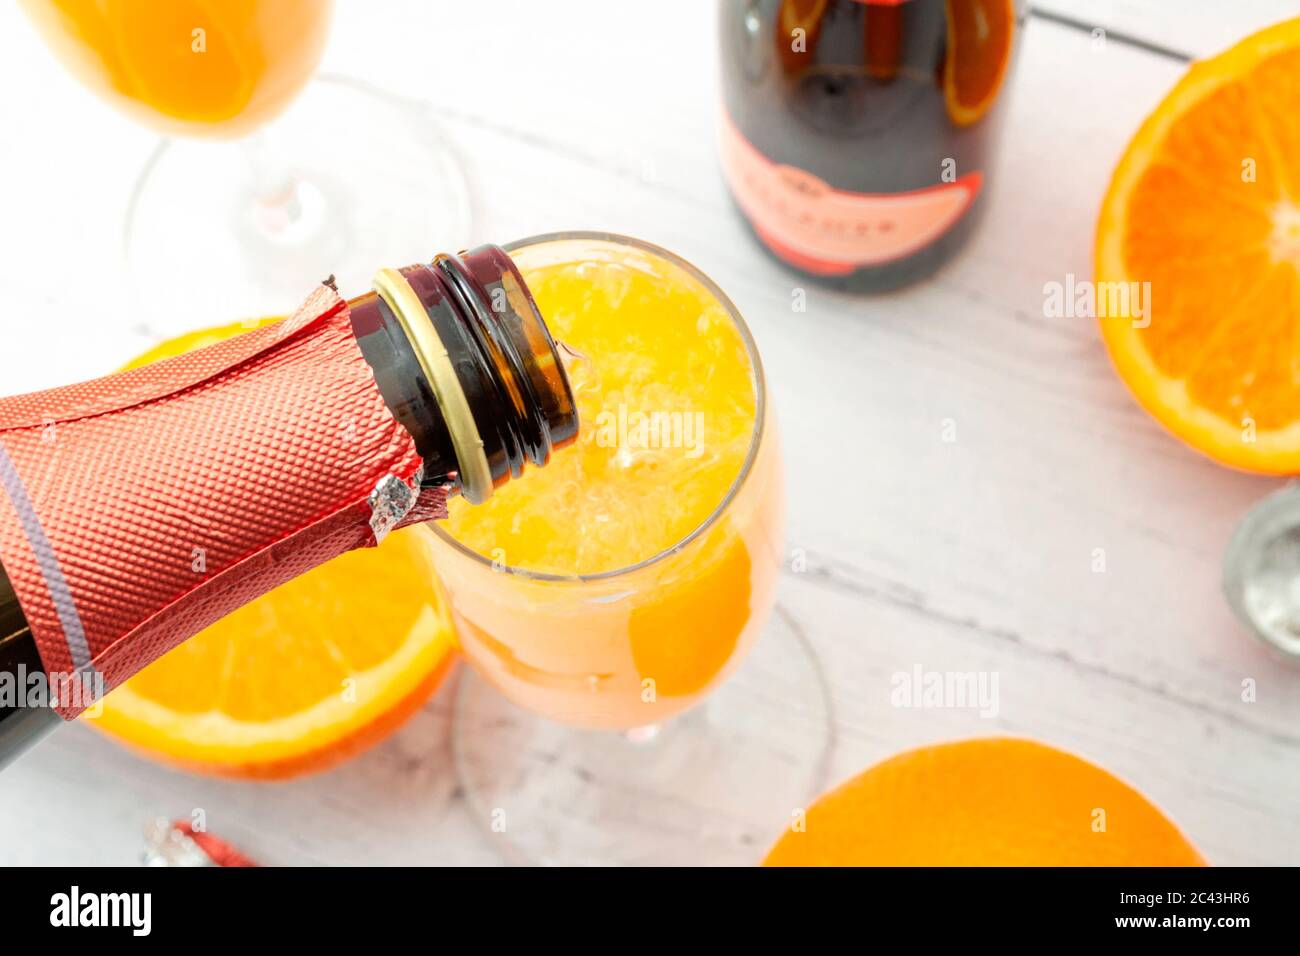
x: 471, y: 460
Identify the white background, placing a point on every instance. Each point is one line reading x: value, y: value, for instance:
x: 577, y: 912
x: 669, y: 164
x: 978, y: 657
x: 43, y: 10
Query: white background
x: 973, y: 555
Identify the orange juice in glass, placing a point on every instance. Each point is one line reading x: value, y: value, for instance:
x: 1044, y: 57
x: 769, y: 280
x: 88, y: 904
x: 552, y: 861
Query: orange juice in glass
x: 274, y: 178
x: 624, y: 582
x: 189, y: 67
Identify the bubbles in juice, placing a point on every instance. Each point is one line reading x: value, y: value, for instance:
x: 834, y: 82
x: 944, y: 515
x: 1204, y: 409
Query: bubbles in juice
x: 667, y: 403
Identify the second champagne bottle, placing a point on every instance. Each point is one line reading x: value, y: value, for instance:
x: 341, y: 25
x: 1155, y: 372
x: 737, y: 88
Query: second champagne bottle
x: 856, y: 136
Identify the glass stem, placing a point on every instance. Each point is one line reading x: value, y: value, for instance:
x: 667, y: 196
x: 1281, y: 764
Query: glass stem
x: 275, y: 194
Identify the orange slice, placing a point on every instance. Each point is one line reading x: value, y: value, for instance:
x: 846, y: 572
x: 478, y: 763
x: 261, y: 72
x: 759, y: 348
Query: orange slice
x: 980, y: 34
x: 796, y: 49
x: 303, y: 677
x: 883, y: 43
x: 990, y: 802
x: 1203, y: 213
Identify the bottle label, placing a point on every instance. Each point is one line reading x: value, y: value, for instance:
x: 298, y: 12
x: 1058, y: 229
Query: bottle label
x: 827, y: 231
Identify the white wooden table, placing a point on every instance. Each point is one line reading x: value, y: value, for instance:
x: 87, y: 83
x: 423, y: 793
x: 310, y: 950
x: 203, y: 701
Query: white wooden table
x: 970, y: 555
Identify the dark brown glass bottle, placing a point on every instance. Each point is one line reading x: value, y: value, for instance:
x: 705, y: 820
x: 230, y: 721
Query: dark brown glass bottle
x: 20, y: 726
x: 857, y: 134
x: 461, y: 326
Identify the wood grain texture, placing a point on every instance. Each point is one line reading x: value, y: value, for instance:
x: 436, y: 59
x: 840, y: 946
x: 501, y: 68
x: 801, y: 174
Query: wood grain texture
x: 968, y: 555
x: 1198, y: 29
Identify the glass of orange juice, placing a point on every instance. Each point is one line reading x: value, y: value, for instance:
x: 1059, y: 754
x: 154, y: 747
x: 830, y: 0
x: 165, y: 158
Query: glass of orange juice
x: 266, y: 173
x: 624, y: 583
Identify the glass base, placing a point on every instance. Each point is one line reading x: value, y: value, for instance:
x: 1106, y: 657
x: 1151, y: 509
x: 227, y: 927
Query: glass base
x: 347, y: 181
x: 716, y: 785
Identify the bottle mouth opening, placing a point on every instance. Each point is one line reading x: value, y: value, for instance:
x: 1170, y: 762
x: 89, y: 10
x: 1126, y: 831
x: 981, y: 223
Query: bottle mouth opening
x: 531, y: 385
x: 443, y: 375
x: 486, y: 390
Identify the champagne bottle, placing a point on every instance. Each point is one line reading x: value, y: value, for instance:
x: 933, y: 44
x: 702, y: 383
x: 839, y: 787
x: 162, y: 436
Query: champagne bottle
x: 137, y: 509
x: 856, y: 135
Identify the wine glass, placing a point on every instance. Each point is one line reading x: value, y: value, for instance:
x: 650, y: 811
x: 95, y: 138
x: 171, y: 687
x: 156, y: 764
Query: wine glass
x: 266, y: 178
x: 577, y: 733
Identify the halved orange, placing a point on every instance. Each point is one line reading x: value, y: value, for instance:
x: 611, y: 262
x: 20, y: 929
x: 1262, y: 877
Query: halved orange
x: 980, y: 36
x: 996, y: 801
x: 303, y: 677
x: 1200, y: 230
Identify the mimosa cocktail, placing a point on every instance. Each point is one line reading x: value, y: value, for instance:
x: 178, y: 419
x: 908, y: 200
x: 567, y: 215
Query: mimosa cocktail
x: 188, y: 67
x: 271, y: 178
x: 623, y: 582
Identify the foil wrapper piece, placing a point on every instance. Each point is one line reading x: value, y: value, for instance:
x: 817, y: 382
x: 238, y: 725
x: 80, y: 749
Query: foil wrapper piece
x: 137, y: 509
x: 391, y: 501
x: 166, y: 845
x: 177, y: 843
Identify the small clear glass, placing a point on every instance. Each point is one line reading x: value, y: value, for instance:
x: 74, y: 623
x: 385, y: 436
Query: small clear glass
x: 347, y: 176
x: 577, y: 734
x: 1261, y: 571
x: 267, y: 172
